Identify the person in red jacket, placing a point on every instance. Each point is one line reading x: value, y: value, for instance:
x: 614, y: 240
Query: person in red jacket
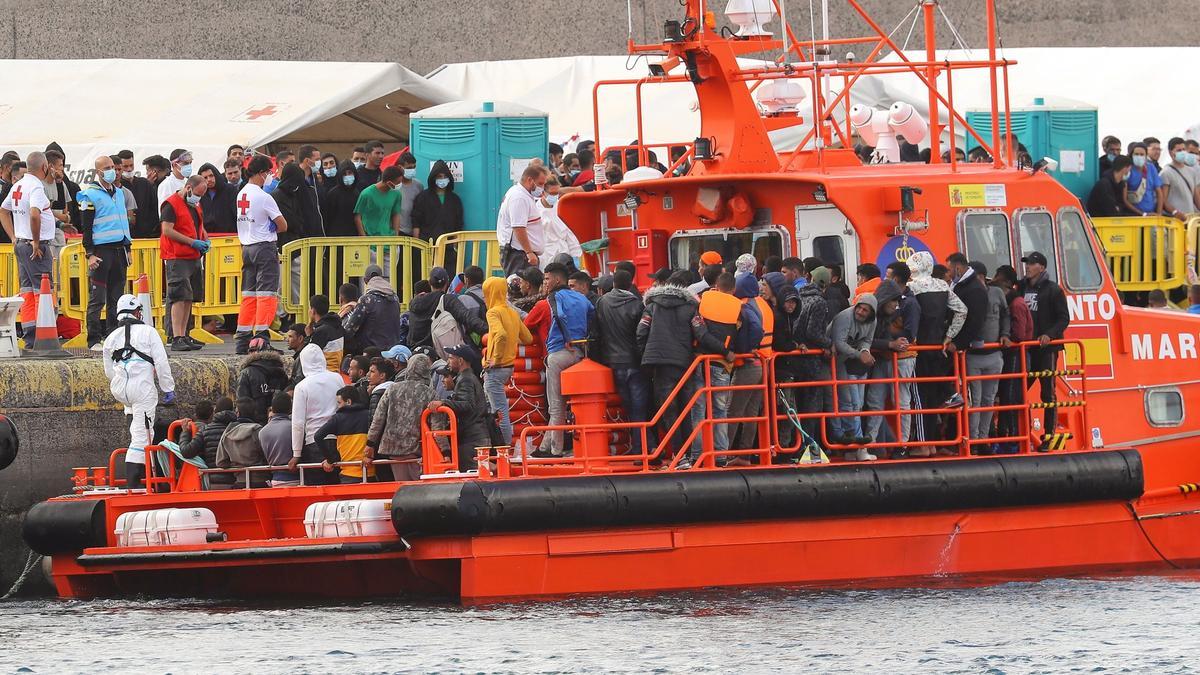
x: 1020, y: 330
x: 183, y: 243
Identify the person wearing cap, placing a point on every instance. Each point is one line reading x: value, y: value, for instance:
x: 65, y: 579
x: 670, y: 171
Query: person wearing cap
x: 181, y: 169
x: 1048, y: 306
x: 375, y: 320
x: 469, y: 405
x: 660, y: 277
x: 133, y: 356
x: 422, y: 309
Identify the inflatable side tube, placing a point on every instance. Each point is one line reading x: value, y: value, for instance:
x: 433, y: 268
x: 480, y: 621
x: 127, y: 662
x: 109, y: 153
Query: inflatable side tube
x: 9, y: 442
x: 528, y: 505
x: 65, y: 526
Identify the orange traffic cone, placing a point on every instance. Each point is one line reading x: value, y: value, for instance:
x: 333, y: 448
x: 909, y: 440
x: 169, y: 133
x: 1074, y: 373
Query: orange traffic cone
x: 45, y: 342
x: 141, y: 288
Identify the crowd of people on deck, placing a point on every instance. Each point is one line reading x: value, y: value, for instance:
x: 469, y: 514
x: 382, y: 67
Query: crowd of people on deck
x: 363, y: 373
x: 1137, y: 180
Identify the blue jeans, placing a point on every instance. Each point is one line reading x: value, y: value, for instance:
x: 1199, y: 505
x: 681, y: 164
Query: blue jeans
x: 494, y: 380
x: 634, y: 390
x: 850, y: 399
x: 718, y: 377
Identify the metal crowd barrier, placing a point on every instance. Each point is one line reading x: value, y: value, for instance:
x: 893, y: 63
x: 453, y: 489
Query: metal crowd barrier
x: 9, y: 283
x: 319, y: 265
x: 469, y: 247
x: 1146, y: 253
x: 74, y: 289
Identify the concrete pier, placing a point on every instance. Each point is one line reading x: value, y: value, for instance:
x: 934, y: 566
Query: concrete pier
x: 66, y: 417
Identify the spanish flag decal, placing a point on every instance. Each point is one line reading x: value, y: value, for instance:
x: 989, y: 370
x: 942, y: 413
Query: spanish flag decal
x: 1097, y: 351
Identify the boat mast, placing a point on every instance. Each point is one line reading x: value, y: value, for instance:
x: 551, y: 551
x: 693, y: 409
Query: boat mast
x: 991, y: 39
x: 931, y: 72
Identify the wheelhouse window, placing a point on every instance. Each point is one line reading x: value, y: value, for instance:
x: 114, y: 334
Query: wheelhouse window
x: 685, y: 249
x: 829, y: 249
x: 986, y: 239
x: 1081, y: 272
x: 1037, y: 234
x: 1164, y: 407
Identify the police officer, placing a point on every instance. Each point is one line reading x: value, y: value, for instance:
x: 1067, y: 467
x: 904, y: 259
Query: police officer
x: 104, y: 216
x: 133, y: 355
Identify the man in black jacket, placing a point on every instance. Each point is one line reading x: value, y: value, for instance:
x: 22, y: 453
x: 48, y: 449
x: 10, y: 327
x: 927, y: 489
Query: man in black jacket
x: 1107, y: 198
x: 217, y: 202
x: 469, y: 405
x: 260, y: 376
x: 204, y: 443
x: 375, y: 320
x: 1048, y: 305
x: 422, y: 309
x: 971, y: 290
x: 438, y: 210
x: 617, y: 315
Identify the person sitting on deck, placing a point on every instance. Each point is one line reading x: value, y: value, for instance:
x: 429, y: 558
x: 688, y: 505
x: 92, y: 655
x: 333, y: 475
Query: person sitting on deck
x: 343, y: 438
x: 239, y: 446
x: 204, y: 442
x: 276, y: 439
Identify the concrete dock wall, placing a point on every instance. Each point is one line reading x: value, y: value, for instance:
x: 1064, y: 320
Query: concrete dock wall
x: 66, y: 417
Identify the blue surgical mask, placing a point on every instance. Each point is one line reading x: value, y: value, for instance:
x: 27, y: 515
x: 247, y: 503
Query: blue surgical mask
x: 1182, y: 156
x: 409, y: 174
x: 1191, y: 159
x: 330, y: 172
x: 270, y: 183
x: 193, y: 199
x: 442, y: 182
x: 110, y: 175
x: 1111, y: 156
x: 551, y: 200
x: 359, y: 165
x: 1139, y: 161
x: 186, y: 170
x: 347, y: 180
x: 538, y: 191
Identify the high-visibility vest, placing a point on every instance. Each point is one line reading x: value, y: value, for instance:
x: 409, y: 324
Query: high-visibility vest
x: 110, y: 224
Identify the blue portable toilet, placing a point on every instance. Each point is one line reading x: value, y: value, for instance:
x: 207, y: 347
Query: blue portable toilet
x: 486, y: 144
x: 1064, y: 130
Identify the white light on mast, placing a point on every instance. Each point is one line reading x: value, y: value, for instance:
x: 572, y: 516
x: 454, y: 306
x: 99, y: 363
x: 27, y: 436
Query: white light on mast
x: 750, y: 15
x: 780, y: 95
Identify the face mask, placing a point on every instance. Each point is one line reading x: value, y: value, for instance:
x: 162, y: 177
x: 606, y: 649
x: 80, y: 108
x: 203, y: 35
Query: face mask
x: 1111, y: 156
x: 538, y: 191
x: 127, y: 175
x: 109, y: 175
x: 574, y: 174
x: 193, y: 199
x: 359, y: 165
x: 409, y: 174
x: 186, y: 170
x: 551, y: 200
x: 1191, y: 159
x: 1139, y: 161
x: 330, y: 172
x: 270, y: 183
x: 1182, y: 156
x: 347, y: 180
x: 442, y: 183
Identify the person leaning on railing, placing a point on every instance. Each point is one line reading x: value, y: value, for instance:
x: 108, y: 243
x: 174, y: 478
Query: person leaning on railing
x: 395, y: 431
x: 1048, y: 307
x: 1020, y: 330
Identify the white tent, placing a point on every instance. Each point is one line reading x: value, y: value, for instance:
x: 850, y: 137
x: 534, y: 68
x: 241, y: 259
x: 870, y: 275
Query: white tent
x: 563, y: 87
x: 153, y: 106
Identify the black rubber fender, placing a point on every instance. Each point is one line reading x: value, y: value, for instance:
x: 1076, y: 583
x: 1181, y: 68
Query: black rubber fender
x: 9, y: 442
x: 65, y: 526
x: 537, y: 504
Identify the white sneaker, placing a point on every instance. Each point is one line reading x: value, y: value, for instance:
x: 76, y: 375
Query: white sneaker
x: 863, y: 456
x: 97, y: 347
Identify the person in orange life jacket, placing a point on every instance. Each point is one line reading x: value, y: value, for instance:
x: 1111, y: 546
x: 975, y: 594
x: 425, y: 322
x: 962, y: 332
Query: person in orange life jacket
x: 868, y: 279
x: 669, y: 327
x: 571, y: 316
x: 104, y: 221
x: 748, y: 371
x: 732, y: 324
x: 184, y: 243
x: 617, y: 314
x: 343, y: 438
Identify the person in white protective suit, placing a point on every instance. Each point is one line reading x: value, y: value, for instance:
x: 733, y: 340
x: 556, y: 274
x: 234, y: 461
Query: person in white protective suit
x: 133, y: 353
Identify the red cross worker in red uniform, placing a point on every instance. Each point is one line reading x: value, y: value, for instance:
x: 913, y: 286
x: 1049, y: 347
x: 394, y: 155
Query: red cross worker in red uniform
x: 259, y: 223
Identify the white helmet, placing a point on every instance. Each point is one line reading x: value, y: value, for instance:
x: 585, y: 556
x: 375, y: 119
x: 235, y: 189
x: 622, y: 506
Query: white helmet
x: 128, y: 304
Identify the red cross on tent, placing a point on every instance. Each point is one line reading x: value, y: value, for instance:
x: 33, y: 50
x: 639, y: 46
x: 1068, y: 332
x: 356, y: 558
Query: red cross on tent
x: 260, y: 112
x: 265, y: 111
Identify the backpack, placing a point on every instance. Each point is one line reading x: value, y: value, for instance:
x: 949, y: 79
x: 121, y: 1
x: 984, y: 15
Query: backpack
x: 479, y: 305
x: 444, y: 330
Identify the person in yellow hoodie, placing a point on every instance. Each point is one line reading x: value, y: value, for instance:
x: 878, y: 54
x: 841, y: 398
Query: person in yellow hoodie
x: 505, y: 332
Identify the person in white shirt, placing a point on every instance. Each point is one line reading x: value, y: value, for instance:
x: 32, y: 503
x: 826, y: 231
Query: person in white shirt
x: 133, y: 356
x: 313, y: 402
x: 28, y: 221
x: 519, y: 225
x: 259, y: 223
x: 181, y: 170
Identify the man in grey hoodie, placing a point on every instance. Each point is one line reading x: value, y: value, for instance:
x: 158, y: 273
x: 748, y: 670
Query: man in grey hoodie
x: 851, y: 333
